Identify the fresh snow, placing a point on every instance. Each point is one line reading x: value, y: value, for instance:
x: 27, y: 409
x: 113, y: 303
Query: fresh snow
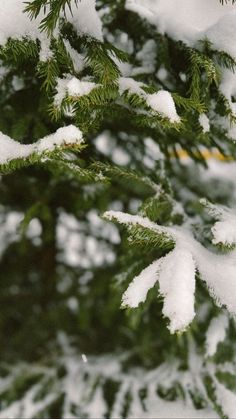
x: 226, y: 399
x: 223, y: 35
x: 224, y: 230
x: 72, y: 86
x: 204, y: 122
x: 64, y: 135
x: 177, y: 285
x: 9, y: 228
x: 11, y: 149
x: 216, y: 333
x: 85, y: 19
x: 131, y: 85
x: 163, y: 103
x: 14, y: 23
x: 98, y: 371
x: 79, y: 60
x: 141, y: 284
x: 175, y: 274
x: 228, y: 87
x: 160, y: 102
x: 132, y: 220
x: 218, y: 272
x: 177, y: 281
x: 190, y: 20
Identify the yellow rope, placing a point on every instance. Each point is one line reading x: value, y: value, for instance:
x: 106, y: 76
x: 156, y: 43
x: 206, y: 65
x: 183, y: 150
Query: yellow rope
x: 207, y: 154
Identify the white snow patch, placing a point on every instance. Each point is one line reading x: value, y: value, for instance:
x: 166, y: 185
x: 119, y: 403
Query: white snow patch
x: 130, y: 220
x: 177, y: 285
x: 16, y: 24
x: 226, y: 399
x: 163, y: 103
x: 223, y: 35
x: 131, y: 85
x: 190, y: 20
x: 77, y: 59
x: 84, y: 358
x: 11, y: 149
x: 141, y: 284
x: 216, y: 270
x: 85, y: 18
x: 216, y: 333
x: 77, y: 87
x: 204, y: 122
x: 72, y: 86
x: 224, y: 230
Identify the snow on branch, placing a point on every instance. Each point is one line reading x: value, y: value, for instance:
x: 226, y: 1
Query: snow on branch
x: 216, y: 333
x: 131, y: 220
x: 176, y: 272
x: 160, y: 102
x: 82, y: 14
x: 72, y: 86
x: 12, y: 150
x: 16, y: 23
x: 191, y: 20
x: 226, y: 399
x: 224, y: 230
x: 141, y: 284
x: 177, y: 285
x: 176, y: 277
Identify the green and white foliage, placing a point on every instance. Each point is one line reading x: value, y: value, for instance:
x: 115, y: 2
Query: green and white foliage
x: 114, y: 111
x: 100, y: 386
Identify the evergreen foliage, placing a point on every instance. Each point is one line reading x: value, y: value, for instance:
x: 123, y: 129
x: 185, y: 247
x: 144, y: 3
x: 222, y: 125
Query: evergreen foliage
x: 122, y: 219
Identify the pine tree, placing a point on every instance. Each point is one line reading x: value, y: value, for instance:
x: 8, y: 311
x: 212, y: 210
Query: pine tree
x: 118, y: 227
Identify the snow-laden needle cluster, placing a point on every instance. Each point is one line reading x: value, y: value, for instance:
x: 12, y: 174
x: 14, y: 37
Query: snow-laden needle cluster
x: 175, y: 273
